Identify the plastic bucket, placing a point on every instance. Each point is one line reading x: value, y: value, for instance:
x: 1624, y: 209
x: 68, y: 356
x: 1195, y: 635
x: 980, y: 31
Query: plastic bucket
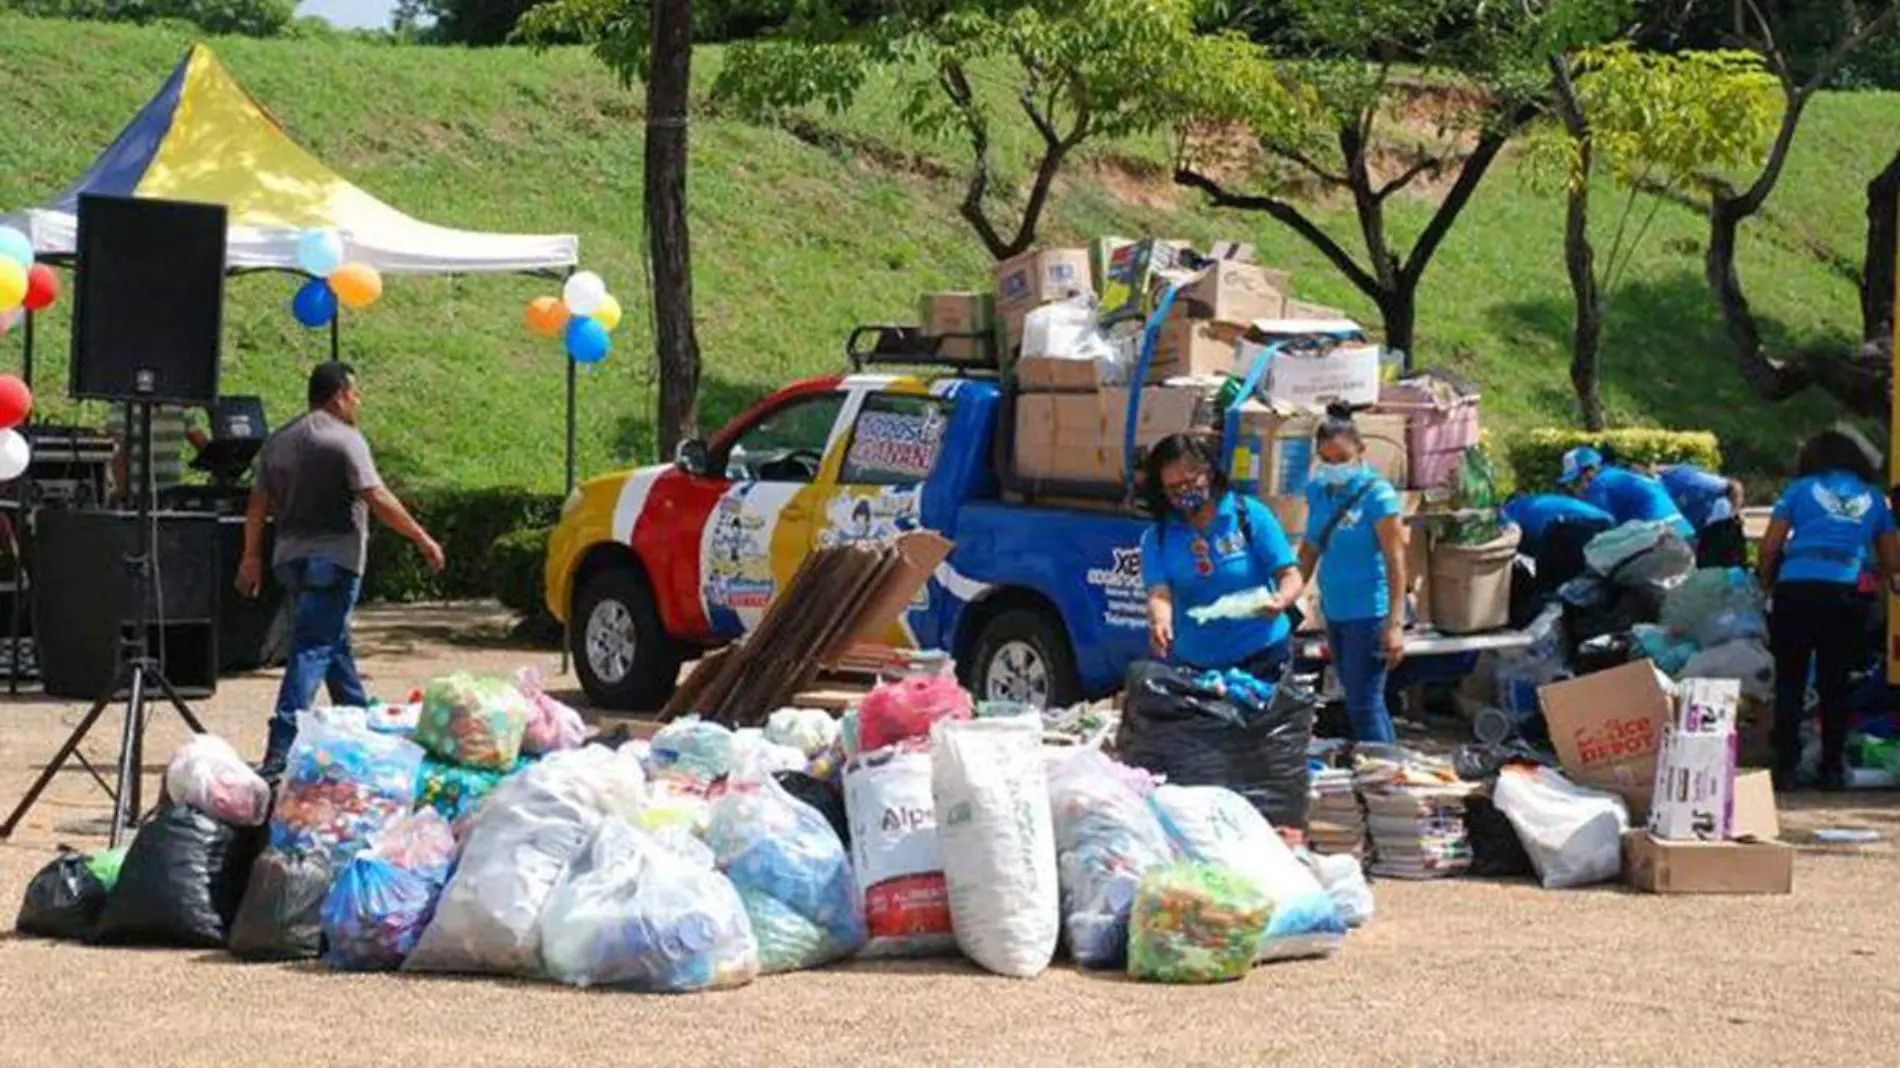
x: 1471, y: 584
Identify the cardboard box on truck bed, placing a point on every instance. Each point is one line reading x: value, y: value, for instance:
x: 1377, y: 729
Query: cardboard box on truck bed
x: 969, y: 316
x: 1231, y: 292
x: 1754, y: 863
x: 1079, y: 437
x: 1607, y: 729
x: 1027, y: 282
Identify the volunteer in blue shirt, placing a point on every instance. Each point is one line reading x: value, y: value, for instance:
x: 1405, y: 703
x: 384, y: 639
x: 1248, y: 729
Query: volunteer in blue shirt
x: 1207, y: 543
x: 1355, y: 538
x: 1826, y: 527
x: 1626, y: 495
x: 1712, y: 504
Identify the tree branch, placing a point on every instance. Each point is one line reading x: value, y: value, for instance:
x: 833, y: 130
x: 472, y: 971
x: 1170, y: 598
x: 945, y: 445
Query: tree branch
x: 956, y: 85
x: 1430, y: 163
x: 1306, y: 162
x: 1056, y: 148
x: 1289, y: 216
x: 1486, y: 153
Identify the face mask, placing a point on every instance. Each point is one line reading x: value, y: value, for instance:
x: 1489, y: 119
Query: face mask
x: 1187, y: 502
x: 1337, y: 474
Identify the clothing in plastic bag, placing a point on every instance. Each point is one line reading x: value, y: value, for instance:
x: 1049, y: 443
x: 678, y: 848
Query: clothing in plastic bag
x: 808, y: 730
x: 1107, y: 838
x: 182, y: 882
x: 524, y: 837
x: 1573, y: 835
x: 281, y: 917
x: 552, y: 726
x: 1196, y: 922
x: 473, y: 721
x: 1495, y: 850
x: 826, y: 797
x: 1177, y: 728
x: 1748, y: 662
x: 791, y: 869
x: 64, y: 900
x: 375, y: 914
x: 1216, y: 825
x: 693, y: 745
x: 906, y: 708
x: 895, y: 853
x: 1715, y: 605
x: 342, y: 783
x: 1641, y: 553
x: 631, y: 913
x: 207, y: 774
x: 1344, y: 880
x: 998, y: 842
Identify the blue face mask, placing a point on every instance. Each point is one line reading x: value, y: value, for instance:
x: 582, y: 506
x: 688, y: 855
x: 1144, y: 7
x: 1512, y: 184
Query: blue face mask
x: 1335, y: 475
x: 1187, y: 502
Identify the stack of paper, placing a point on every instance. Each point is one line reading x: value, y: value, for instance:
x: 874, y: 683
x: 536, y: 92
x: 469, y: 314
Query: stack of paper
x: 1335, y: 824
x: 1417, y: 829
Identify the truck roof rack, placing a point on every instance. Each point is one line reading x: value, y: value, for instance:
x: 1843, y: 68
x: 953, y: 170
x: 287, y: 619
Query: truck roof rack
x: 884, y: 345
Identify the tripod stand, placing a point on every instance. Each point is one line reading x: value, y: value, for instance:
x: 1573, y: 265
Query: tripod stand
x: 138, y: 672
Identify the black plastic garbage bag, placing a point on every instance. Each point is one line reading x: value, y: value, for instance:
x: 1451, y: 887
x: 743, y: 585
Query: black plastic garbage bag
x: 64, y: 900
x: 182, y: 882
x: 821, y: 795
x: 281, y: 917
x: 1496, y: 851
x: 1173, y: 726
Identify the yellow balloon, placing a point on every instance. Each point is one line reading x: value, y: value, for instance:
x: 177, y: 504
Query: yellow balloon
x: 12, y: 284
x: 608, y: 314
x: 356, y: 285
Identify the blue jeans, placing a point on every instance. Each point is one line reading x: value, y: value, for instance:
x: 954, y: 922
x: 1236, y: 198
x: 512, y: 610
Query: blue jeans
x: 1358, y: 647
x: 322, y: 595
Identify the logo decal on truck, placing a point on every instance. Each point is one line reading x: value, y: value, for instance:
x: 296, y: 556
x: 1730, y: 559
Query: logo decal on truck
x: 1127, y: 601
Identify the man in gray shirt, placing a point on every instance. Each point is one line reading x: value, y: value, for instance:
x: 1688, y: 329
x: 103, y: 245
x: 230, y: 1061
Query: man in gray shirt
x: 317, y: 481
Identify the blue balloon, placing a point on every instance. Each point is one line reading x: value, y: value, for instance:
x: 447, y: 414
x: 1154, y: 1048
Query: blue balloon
x: 15, y: 246
x: 314, y: 305
x: 587, y: 340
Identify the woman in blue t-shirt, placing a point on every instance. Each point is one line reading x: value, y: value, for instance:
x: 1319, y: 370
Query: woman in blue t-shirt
x: 1356, y: 539
x: 1827, y: 525
x: 1207, y: 543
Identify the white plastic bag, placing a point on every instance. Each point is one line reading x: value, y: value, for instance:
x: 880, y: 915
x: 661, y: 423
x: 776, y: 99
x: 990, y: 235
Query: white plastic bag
x: 552, y: 725
x: 1344, y: 879
x: 207, y: 774
x: 1215, y: 824
x: 750, y: 747
x: 808, y: 730
x: 632, y: 913
x: 524, y: 836
x: 1573, y: 835
x: 894, y: 851
x: 1106, y: 839
x: 1067, y: 330
x: 998, y: 842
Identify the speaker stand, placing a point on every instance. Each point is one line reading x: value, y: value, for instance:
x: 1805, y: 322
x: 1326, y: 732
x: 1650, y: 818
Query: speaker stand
x: 138, y: 672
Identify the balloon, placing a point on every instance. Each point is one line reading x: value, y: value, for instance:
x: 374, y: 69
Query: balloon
x: 314, y: 305
x: 608, y: 314
x: 42, y: 288
x: 9, y: 320
x: 357, y: 285
x: 15, y: 401
x: 14, y: 246
x: 584, y: 293
x: 320, y: 252
x: 547, y: 316
x: 12, y: 283
x: 587, y: 340
x: 14, y: 455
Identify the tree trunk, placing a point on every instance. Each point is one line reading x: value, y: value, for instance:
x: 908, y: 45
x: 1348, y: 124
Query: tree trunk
x: 1769, y: 381
x: 1586, y: 353
x: 1877, y: 270
x: 669, y: 85
x: 1398, y: 306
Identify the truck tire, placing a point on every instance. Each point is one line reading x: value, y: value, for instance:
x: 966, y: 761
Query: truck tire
x: 625, y: 658
x: 1022, y: 655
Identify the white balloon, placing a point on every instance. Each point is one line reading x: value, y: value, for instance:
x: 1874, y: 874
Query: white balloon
x: 15, y: 454
x: 10, y: 319
x: 584, y: 293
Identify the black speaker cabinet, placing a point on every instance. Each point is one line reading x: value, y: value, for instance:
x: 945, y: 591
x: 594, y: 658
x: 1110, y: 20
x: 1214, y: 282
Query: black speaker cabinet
x: 248, y: 637
x: 82, y: 597
x: 148, y: 300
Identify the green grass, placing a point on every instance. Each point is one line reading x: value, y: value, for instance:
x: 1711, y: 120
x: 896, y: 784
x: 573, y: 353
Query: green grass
x: 794, y: 244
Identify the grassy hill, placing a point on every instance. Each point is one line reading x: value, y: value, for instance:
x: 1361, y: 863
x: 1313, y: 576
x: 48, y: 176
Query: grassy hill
x: 796, y: 238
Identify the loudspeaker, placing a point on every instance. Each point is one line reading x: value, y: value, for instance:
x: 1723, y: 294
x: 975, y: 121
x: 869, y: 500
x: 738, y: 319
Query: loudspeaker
x: 82, y: 598
x: 148, y: 300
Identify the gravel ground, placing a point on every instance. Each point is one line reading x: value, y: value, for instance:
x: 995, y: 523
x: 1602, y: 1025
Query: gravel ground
x: 1463, y: 972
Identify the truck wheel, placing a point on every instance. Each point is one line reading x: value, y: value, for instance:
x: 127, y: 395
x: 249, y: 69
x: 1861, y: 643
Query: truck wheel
x: 624, y: 656
x: 1023, y: 656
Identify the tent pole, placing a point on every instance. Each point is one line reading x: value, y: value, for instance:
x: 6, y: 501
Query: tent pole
x: 573, y: 373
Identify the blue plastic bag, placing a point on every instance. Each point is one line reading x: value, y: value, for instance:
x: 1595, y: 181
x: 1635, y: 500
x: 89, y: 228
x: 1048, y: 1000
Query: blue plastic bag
x: 374, y: 915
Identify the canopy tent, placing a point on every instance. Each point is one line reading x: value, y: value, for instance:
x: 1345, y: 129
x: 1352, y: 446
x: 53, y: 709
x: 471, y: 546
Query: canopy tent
x: 204, y: 138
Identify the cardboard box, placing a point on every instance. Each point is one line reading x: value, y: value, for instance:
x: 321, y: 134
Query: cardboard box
x: 1299, y: 309
x: 1102, y: 252
x: 945, y: 314
x: 1027, y: 282
x: 1233, y: 292
x: 1756, y: 863
x: 1387, y: 451
x: 1607, y: 729
x: 1079, y: 437
x: 1134, y: 276
x: 1273, y: 455
x: 1696, y: 767
x: 1291, y: 512
x: 1348, y: 373
x: 1052, y: 374
x: 1185, y: 349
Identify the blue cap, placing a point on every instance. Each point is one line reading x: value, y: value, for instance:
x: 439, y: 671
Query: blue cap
x: 1577, y: 461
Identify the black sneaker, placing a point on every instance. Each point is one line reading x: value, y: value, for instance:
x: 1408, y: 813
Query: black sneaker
x: 271, y: 770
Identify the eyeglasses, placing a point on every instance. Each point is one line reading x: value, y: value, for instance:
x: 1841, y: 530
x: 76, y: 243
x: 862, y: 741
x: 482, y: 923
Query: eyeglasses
x: 1198, y: 480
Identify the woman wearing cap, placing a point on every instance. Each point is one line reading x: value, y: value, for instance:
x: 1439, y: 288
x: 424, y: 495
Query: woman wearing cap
x: 1826, y: 525
x: 1356, y: 540
x: 1626, y: 495
x: 1206, y: 543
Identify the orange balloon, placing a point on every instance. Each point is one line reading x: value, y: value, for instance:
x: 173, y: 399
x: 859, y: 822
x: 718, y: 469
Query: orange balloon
x: 356, y: 285
x: 547, y: 316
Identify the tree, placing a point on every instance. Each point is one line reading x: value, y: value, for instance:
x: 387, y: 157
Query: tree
x: 1076, y: 70
x: 652, y: 40
x: 1848, y: 374
x: 1354, y: 67
x: 1652, y: 123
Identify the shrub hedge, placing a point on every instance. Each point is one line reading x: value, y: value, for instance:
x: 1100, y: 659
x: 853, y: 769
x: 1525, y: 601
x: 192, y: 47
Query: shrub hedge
x: 468, y: 523
x: 1537, y: 457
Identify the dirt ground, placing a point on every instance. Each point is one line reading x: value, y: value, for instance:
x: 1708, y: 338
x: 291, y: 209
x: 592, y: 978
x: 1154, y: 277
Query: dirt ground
x: 1463, y: 972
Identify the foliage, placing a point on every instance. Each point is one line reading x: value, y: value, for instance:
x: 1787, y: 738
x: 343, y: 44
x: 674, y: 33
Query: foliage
x: 1537, y: 457
x: 470, y: 524
x: 519, y: 562
x: 246, y: 18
